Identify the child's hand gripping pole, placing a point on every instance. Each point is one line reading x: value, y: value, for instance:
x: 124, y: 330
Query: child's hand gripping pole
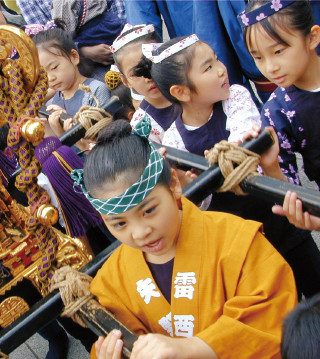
x: 263, y: 187
x: 84, y: 309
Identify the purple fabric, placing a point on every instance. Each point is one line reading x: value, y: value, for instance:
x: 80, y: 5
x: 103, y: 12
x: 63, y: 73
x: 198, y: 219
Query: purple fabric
x: 206, y: 136
x: 8, y: 166
x: 163, y: 116
x: 78, y: 211
x: 162, y: 274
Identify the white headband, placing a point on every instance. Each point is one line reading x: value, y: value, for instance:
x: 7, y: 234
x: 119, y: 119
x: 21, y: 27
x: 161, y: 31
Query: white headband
x: 147, y: 49
x: 137, y: 31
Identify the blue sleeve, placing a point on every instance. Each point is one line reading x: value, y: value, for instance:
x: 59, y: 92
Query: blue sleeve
x: 229, y: 11
x: 278, y: 113
x: 143, y: 12
x: 209, y: 27
x: 101, y: 91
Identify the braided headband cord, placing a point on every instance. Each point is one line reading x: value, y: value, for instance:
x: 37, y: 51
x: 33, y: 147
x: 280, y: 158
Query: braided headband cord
x: 137, y: 31
x: 139, y: 190
x: 249, y: 18
x: 147, y: 49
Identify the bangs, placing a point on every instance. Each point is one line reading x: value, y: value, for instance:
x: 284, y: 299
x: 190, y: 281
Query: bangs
x: 266, y: 27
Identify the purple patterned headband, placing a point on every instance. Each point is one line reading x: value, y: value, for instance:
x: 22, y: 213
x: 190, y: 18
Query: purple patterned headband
x: 268, y: 9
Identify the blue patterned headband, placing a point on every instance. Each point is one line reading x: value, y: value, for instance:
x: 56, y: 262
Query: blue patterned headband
x: 249, y: 18
x: 139, y: 190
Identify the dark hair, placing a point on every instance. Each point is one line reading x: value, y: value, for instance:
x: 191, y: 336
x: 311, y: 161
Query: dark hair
x: 296, y: 16
x: 59, y: 39
x: 301, y: 331
x: 125, y: 98
x: 150, y: 37
x: 118, y: 153
x: 171, y: 71
x: 55, y: 38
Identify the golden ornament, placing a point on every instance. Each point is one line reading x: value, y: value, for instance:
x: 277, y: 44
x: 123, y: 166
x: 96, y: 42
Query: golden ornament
x: 33, y: 131
x: 48, y: 214
x: 27, y: 50
x: 112, y: 79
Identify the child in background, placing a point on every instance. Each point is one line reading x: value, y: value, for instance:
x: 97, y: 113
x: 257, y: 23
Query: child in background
x: 188, y: 73
x: 275, y: 41
x: 117, y: 88
x: 127, y: 55
x: 59, y: 57
x: 301, y: 331
x: 201, y: 282
x: 287, y: 33
x: 213, y: 112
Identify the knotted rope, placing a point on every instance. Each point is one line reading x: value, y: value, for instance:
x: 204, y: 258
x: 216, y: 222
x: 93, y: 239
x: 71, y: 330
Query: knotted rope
x: 74, y: 291
x: 235, y: 164
x: 93, y: 119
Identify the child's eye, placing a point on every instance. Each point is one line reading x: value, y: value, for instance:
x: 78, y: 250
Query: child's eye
x: 279, y: 51
x: 257, y: 58
x: 119, y: 225
x: 150, y: 210
x: 53, y: 68
x: 208, y: 68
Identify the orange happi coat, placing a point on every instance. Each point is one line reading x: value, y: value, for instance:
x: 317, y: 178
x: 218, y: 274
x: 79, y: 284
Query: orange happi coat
x: 229, y: 287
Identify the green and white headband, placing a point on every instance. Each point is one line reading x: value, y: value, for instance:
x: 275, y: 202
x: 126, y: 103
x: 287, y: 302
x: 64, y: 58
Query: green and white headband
x: 139, y: 190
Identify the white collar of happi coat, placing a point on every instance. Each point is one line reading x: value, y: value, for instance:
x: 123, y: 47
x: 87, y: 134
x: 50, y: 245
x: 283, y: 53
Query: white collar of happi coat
x: 181, y: 318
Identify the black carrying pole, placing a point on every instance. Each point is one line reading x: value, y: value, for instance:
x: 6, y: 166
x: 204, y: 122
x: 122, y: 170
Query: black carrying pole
x: 266, y: 188
x: 45, y: 310
x: 70, y: 137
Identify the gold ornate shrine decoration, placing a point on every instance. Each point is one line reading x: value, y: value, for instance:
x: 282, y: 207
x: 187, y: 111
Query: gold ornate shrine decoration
x: 30, y: 65
x: 11, y: 309
x: 29, y: 245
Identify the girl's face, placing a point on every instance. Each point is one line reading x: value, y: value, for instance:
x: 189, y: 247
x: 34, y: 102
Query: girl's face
x: 282, y: 64
x: 143, y: 86
x: 152, y: 226
x: 62, y: 71
x: 209, y: 76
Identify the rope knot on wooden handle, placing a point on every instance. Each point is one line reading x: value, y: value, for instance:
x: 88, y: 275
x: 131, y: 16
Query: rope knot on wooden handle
x: 235, y: 164
x: 74, y: 290
x: 93, y: 119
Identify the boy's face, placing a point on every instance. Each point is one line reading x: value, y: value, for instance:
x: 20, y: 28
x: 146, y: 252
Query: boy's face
x: 285, y: 65
x: 152, y: 226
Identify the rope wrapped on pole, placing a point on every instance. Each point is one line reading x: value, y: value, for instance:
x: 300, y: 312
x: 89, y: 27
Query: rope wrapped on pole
x: 235, y: 163
x: 81, y: 306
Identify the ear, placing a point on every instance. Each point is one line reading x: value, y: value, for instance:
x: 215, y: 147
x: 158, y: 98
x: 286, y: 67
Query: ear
x: 175, y: 185
x: 314, y: 37
x: 130, y: 114
x: 74, y: 57
x: 180, y: 92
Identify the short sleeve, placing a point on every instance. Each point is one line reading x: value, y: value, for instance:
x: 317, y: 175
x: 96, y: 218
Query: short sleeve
x: 241, y: 111
x: 101, y: 91
x: 173, y: 139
